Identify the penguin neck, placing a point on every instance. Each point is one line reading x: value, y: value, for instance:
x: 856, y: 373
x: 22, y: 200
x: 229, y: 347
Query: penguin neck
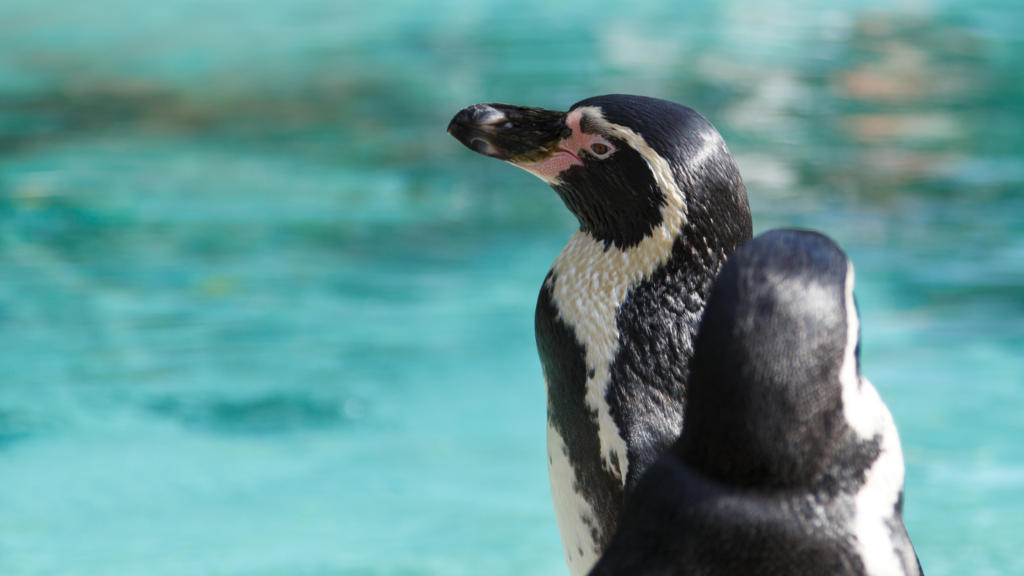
x: 591, y: 279
x: 620, y: 214
x: 597, y: 267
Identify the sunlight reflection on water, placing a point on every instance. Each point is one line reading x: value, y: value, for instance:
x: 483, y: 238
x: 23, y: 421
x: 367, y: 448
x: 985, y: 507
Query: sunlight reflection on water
x: 262, y: 316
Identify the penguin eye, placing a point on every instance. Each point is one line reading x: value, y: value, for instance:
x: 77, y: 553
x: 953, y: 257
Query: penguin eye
x: 599, y: 149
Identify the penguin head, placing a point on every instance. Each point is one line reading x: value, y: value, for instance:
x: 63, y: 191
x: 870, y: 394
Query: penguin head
x: 623, y: 165
x: 774, y: 360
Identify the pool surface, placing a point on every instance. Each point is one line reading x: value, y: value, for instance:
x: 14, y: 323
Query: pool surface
x: 260, y: 315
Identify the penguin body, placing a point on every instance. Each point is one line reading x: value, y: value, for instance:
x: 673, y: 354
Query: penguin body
x: 661, y: 205
x: 790, y: 463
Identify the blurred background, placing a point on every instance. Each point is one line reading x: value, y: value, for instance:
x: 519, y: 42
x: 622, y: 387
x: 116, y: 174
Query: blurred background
x: 260, y: 315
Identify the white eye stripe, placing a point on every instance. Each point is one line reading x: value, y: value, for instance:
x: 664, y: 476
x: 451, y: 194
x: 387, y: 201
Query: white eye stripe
x: 658, y: 165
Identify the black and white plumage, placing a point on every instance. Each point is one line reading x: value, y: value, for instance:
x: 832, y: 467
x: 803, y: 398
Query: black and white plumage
x: 661, y: 205
x: 789, y: 463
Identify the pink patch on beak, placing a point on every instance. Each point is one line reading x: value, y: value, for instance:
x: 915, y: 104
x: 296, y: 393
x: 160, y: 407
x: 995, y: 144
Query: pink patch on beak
x: 549, y: 168
x: 568, y: 154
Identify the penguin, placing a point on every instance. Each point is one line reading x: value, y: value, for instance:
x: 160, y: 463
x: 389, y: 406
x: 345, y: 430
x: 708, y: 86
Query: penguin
x: 661, y: 205
x: 789, y: 463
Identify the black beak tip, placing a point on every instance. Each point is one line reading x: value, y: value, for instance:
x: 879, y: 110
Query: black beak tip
x: 466, y: 127
x: 458, y: 130
x: 503, y: 131
x: 462, y: 122
x: 480, y: 117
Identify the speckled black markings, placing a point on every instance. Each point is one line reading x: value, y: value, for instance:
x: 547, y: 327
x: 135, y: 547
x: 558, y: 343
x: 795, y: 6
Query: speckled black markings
x: 657, y: 324
x: 658, y: 321
x: 901, y: 540
x: 898, y: 534
x: 563, y: 361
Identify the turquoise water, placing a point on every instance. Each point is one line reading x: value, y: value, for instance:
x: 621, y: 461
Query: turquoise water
x: 259, y: 315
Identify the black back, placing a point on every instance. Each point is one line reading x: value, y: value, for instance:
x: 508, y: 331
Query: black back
x: 765, y: 476
x: 766, y: 402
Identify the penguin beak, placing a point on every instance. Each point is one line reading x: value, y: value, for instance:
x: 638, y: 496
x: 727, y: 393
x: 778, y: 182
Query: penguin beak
x: 515, y: 134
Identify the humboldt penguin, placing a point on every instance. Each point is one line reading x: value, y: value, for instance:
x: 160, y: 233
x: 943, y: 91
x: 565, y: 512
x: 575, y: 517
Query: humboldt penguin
x: 789, y: 463
x: 660, y: 205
